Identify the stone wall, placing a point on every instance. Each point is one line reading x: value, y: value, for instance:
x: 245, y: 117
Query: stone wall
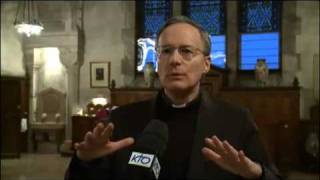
x: 307, y: 49
x: 11, y: 43
x: 109, y: 36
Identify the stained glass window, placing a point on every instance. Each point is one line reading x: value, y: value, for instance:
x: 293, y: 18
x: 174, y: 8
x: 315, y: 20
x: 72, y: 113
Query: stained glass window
x: 260, y: 33
x: 156, y: 12
x: 152, y: 14
x: 211, y: 16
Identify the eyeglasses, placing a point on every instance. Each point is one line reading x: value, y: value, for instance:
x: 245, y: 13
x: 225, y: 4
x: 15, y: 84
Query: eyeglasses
x: 187, y: 52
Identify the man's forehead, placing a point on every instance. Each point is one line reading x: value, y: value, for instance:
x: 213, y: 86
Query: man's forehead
x: 182, y: 33
x: 180, y: 27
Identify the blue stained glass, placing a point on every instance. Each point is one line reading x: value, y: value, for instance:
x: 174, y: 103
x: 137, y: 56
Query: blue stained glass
x: 209, y: 14
x: 156, y: 12
x: 218, y: 52
x: 152, y: 23
x: 260, y: 26
x: 146, y: 53
x: 260, y: 16
x: 254, y: 47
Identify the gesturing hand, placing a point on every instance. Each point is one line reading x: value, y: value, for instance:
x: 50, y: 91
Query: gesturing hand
x: 97, y: 143
x: 228, y: 158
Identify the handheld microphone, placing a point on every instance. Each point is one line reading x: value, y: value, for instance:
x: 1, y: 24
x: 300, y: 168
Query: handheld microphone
x: 143, y: 162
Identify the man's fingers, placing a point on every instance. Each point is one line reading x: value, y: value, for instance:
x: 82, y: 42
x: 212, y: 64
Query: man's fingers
x: 107, y: 132
x: 224, y: 149
x: 242, y: 156
x: 99, y: 135
x: 115, y: 146
x: 218, y: 145
x: 82, y: 146
x: 229, y: 147
x: 86, y: 136
x: 76, y: 146
x: 210, y: 144
x: 98, y: 129
x: 232, y: 153
x: 210, y: 155
x: 89, y: 138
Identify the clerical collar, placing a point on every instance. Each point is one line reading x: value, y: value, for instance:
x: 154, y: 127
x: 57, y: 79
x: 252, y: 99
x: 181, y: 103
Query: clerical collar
x: 168, y: 101
x: 179, y: 106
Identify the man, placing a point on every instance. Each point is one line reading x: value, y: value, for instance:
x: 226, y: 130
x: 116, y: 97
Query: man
x: 208, y: 139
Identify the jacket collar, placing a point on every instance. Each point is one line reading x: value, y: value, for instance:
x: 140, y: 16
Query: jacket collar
x: 206, y: 126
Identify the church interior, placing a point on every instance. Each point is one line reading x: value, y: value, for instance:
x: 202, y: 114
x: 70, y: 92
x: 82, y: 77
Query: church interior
x: 91, y: 55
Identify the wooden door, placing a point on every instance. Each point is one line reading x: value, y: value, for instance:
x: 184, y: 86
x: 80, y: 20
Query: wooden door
x: 14, y: 106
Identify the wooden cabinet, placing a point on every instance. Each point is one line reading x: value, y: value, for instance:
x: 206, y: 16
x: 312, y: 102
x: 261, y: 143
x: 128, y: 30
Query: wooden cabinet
x: 125, y: 96
x: 276, y: 112
x: 14, y: 106
x: 121, y: 96
x: 80, y: 126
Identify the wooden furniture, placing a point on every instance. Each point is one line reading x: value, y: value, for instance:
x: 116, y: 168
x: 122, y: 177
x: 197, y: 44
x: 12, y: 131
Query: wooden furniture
x: 80, y: 126
x: 214, y: 81
x: 14, y: 106
x: 121, y: 96
x: 276, y: 112
x: 125, y: 96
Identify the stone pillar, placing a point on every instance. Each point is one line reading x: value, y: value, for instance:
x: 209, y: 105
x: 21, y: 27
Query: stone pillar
x: 32, y: 70
x: 69, y: 59
x: 28, y: 59
x: 233, y: 41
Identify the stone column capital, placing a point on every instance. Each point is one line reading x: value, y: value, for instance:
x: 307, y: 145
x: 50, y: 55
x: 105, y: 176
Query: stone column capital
x: 69, y: 57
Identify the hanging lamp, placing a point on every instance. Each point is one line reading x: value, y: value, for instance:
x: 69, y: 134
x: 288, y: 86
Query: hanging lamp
x: 27, y: 21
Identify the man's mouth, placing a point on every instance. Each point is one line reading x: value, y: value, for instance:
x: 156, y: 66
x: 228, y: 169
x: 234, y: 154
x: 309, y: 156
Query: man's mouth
x: 176, y: 75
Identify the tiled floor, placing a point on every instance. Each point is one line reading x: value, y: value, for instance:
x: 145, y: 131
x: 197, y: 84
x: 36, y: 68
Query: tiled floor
x: 34, y: 167
x: 53, y: 166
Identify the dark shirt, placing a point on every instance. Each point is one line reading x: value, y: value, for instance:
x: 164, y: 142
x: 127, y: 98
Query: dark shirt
x: 188, y: 127
x: 181, y: 125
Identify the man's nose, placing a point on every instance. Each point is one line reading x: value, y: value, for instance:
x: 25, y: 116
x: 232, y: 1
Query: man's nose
x: 175, y: 57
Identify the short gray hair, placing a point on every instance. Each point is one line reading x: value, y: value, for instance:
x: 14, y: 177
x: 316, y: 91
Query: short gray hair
x: 183, y: 19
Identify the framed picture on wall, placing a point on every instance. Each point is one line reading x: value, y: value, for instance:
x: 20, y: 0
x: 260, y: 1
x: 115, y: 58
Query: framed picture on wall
x: 100, y: 74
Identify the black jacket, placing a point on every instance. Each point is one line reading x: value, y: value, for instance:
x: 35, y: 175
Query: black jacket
x: 226, y: 121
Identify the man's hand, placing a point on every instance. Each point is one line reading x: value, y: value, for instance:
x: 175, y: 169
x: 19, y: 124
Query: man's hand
x: 97, y: 143
x: 228, y: 158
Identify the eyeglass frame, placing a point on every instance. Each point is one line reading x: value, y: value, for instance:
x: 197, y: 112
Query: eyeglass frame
x: 193, y: 50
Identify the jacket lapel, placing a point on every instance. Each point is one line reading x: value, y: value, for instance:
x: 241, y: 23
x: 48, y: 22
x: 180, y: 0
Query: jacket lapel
x: 206, y: 126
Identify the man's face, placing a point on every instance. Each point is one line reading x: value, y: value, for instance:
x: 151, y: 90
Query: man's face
x: 181, y: 62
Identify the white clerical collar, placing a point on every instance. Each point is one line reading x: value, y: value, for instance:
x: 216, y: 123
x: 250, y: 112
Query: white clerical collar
x: 179, y: 106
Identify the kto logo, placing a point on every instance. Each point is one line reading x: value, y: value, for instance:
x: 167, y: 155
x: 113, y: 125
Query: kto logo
x: 141, y: 159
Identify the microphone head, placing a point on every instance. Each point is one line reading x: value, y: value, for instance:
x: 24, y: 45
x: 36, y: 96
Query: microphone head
x: 143, y: 162
x: 154, y: 138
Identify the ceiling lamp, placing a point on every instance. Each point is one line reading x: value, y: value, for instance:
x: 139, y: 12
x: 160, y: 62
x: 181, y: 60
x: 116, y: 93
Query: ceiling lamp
x: 27, y: 21
x: 99, y: 100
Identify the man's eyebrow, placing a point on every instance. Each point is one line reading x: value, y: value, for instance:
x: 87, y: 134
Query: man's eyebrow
x: 187, y: 46
x: 168, y: 45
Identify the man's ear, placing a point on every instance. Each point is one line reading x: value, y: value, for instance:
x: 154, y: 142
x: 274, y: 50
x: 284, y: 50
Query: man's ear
x: 207, y: 64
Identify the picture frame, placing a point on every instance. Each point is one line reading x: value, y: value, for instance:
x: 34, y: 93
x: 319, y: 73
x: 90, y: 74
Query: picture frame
x: 100, y: 74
